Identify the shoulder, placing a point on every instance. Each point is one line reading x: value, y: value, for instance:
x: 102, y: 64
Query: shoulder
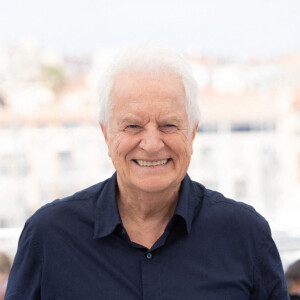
x: 81, y: 203
x: 219, y: 209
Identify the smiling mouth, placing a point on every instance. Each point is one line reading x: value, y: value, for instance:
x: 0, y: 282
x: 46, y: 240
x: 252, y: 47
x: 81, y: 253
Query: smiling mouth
x: 151, y: 163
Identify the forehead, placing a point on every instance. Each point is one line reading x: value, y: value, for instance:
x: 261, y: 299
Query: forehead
x: 140, y: 87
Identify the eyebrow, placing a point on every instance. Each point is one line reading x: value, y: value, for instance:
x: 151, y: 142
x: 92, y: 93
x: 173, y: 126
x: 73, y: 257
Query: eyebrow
x: 172, y: 119
x: 130, y: 121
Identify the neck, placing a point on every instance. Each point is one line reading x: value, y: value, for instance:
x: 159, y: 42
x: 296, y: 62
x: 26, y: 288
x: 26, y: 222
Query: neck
x: 145, y: 215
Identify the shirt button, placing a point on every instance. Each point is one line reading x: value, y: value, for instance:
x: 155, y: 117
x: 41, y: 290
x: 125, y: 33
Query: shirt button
x: 149, y: 255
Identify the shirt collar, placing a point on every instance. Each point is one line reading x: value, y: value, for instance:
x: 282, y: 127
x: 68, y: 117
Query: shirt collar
x: 186, y: 203
x: 107, y: 213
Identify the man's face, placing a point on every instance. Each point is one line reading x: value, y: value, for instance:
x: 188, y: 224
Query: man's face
x: 149, y: 140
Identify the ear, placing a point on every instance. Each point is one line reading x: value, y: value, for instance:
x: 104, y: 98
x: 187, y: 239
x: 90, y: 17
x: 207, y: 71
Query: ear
x: 105, y: 134
x: 193, y: 137
x: 195, y: 131
x: 104, y: 131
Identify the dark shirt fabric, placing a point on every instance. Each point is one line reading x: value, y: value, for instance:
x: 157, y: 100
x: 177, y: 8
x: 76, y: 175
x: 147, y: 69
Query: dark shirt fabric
x: 213, y: 248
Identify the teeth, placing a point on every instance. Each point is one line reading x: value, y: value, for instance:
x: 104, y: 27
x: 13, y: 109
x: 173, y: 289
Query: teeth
x: 146, y: 163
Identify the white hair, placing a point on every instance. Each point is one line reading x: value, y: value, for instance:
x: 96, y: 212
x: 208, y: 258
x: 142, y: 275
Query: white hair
x: 158, y: 61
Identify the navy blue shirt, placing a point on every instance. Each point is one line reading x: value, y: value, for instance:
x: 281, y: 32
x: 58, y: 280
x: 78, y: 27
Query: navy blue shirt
x: 212, y: 248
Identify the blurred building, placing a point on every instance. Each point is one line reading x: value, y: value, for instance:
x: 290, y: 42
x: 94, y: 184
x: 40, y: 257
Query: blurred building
x: 51, y: 145
x: 247, y: 147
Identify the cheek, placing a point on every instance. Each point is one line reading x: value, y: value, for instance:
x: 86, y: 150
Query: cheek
x: 114, y: 150
x: 120, y: 147
x: 182, y: 146
x: 113, y: 146
x: 189, y: 145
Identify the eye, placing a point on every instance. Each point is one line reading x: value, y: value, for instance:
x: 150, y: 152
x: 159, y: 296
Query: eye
x: 133, y: 128
x: 168, y: 127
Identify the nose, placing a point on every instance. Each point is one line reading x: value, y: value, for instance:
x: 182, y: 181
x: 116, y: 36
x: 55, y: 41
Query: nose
x: 152, y: 140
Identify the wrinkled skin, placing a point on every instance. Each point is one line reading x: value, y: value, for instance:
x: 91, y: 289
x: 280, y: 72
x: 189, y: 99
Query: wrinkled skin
x: 149, y: 122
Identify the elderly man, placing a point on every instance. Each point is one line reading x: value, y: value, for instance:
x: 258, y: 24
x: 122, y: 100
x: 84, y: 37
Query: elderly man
x: 149, y: 231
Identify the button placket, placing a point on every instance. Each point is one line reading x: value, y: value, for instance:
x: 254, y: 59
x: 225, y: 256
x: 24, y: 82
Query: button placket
x: 151, y: 274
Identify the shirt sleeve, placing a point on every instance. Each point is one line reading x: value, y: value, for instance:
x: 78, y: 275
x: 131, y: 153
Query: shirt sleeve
x: 269, y: 276
x: 25, y: 277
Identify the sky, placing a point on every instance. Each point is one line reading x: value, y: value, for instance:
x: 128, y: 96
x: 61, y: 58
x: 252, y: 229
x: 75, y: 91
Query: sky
x: 234, y: 28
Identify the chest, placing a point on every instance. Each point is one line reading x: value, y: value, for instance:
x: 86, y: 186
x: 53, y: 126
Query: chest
x: 112, y: 270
